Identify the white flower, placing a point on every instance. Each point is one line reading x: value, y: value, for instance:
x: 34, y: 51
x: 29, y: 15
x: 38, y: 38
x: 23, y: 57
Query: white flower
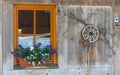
x: 46, y: 54
x: 42, y: 54
x: 28, y: 57
x: 34, y: 57
x: 31, y: 48
x: 39, y: 63
x: 33, y: 63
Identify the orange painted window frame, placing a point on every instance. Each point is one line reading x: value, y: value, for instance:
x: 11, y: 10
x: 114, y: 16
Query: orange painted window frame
x: 52, y: 9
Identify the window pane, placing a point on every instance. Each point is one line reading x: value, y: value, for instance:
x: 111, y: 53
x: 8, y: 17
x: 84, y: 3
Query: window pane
x: 26, y: 21
x: 25, y: 41
x: 42, y: 22
x: 43, y: 40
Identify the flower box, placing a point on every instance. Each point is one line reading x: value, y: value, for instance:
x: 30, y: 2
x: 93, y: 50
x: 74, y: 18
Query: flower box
x: 24, y: 63
x: 33, y: 56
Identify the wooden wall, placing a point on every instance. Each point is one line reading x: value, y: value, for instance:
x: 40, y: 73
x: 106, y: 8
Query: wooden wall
x: 116, y: 45
x: 99, y: 52
x: 1, y: 38
x: 67, y: 2
x: 69, y: 30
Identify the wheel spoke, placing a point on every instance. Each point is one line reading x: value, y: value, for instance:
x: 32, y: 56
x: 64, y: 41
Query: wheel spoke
x: 87, y: 37
x: 88, y: 29
x: 90, y: 39
x: 93, y: 38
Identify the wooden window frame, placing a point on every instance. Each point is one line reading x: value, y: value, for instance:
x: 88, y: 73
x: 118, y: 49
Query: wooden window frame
x: 52, y: 9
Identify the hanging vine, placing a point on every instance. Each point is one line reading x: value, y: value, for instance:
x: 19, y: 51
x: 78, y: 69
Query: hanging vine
x: 100, y: 30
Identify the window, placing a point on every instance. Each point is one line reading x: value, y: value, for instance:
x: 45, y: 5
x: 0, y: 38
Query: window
x: 34, y: 24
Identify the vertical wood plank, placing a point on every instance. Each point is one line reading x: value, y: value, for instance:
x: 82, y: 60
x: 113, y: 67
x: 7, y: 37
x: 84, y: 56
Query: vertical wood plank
x: 1, y: 64
x: 99, y: 51
x: 62, y: 34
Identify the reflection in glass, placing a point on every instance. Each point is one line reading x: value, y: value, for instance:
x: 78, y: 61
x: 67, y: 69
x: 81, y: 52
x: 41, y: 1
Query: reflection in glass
x: 42, y: 21
x: 26, y: 21
x: 25, y: 41
x: 43, y: 40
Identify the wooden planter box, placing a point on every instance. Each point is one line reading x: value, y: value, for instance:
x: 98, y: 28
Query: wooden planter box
x: 24, y: 63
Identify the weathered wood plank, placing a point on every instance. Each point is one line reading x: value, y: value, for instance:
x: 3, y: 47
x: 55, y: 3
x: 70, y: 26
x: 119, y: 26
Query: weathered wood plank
x: 1, y: 71
x: 27, y: 1
x: 62, y: 40
x: 7, y: 35
x: 102, y: 2
x: 85, y: 2
x: 117, y: 2
x: 74, y: 48
x: 99, y: 52
x: 68, y: 2
x: 32, y: 1
x: 116, y: 43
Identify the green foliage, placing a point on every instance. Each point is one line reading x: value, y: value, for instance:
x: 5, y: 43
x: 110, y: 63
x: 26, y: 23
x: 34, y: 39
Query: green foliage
x: 34, y: 54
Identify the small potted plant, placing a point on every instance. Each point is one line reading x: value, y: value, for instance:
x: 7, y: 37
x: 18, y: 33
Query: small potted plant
x: 34, y: 55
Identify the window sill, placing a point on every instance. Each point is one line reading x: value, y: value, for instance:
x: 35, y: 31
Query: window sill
x: 52, y: 66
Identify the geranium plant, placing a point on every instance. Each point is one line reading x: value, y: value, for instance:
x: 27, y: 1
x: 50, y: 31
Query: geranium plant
x: 35, y: 54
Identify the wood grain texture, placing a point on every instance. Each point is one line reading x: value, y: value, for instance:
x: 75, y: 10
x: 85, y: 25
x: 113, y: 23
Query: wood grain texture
x: 7, y: 36
x: 75, y: 48
x: 85, y: 2
x: 73, y: 2
x: 1, y: 71
x: 117, y: 2
x: 1, y: 1
x: 30, y: 1
x: 68, y: 2
x: 70, y: 42
x: 99, y: 52
x: 62, y: 40
x: 116, y: 43
x: 27, y: 1
x: 8, y: 1
x: 102, y: 2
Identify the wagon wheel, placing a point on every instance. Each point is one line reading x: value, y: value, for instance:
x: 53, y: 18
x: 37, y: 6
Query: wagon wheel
x: 90, y: 33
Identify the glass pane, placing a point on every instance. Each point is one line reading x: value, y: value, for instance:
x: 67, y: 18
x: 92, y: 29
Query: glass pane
x: 42, y: 22
x: 25, y: 41
x: 25, y: 21
x: 43, y: 40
